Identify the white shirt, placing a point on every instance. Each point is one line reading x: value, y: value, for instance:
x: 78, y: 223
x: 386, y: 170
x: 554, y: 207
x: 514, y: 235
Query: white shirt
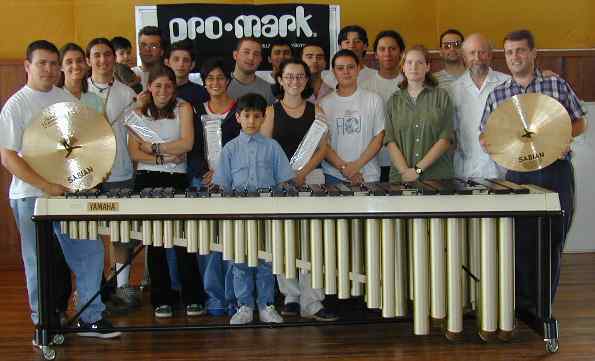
x: 267, y: 76
x: 353, y: 122
x: 17, y: 114
x: 445, y: 79
x: 469, y: 159
x: 329, y: 77
x: 143, y: 75
x: 119, y: 102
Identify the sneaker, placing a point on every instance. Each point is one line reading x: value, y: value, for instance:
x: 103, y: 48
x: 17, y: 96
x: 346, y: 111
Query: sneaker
x: 269, y: 315
x: 99, y: 329
x: 243, y: 316
x: 195, y: 309
x: 163, y: 311
x: 291, y: 309
x: 128, y: 295
x: 323, y: 315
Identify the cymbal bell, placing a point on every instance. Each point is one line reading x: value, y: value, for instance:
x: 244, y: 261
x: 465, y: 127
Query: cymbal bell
x: 528, y: 132
x: 70, y: 144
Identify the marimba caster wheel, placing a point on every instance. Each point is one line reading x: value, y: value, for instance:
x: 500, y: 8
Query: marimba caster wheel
x: 552, y: 345
x: 48, y: 352
x: 58, y: 339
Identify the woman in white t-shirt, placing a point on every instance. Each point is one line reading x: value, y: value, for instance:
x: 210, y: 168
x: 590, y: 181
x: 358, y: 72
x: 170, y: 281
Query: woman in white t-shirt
x: 356, y: 126
x: 162, y: 165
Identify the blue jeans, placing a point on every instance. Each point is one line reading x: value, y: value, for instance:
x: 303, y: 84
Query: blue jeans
x: 247, y: 280
x: 332, y: 180
x: 85, y: 259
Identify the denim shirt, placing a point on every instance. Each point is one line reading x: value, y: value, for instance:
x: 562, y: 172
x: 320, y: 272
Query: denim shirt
x: 249, y: 162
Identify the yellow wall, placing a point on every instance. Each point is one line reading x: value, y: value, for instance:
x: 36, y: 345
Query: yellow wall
x: 555, y: 23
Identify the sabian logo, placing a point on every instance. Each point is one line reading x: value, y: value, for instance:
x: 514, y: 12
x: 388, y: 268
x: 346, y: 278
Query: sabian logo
x: 531, y: 157
x: 269, y: 26
x: 103, y: 206
x: 80, y: 174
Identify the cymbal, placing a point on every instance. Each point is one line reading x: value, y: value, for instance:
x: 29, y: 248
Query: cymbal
x: 528, y: 132
x: 70, y: 144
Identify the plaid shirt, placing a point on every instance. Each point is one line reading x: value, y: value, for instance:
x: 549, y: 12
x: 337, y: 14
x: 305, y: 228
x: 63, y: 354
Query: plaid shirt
x: 553, y: 86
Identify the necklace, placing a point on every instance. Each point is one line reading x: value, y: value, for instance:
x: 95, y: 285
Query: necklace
x: 102, y: 89
x: 292, y: 108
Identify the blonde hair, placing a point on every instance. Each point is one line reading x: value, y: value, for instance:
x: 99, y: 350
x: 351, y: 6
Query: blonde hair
x: 429, y: 79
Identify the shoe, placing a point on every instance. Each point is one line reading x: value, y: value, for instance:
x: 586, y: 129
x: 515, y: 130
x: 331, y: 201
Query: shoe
x: 323, y: 315
x: 163, y: 311
x: 115, y: 306
x: 128, y: 295
x: 269, y: 315
x: 195, y: 309
x: 291, y: 309
x: 244, y: 315
x: 99, y: 329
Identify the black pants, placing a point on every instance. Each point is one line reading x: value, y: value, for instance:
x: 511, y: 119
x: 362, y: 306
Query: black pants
x: 558, y: 177
x: 187, y: 264
x: 62, y: 277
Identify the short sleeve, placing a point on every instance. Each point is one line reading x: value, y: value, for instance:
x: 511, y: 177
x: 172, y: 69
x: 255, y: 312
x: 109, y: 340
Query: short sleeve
x: 283, y: 171
x: 222, y: 176
x: 379, y: 113
x: 389, y: 134
x: 573, y: 104
x: 11, y: 127
x: 448, y: 117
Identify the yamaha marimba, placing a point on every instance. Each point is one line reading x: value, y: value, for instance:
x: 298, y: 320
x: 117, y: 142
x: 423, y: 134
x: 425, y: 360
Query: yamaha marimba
x: 432, y: 249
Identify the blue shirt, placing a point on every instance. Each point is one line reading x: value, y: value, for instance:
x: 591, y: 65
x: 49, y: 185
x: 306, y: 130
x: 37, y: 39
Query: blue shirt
x: 249, y: 162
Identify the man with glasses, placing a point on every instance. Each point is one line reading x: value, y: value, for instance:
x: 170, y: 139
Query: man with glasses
x: 452, y: 60
x: 150, y: 46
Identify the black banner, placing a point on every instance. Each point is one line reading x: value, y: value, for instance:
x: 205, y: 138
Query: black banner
x: 215, y: 28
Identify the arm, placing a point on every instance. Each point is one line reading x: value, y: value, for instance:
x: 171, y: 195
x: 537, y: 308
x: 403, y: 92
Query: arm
x: 371, y: 150
x: 21, y: 169
x: 185, y: 142
x: 578, y: 127
x: 445, y: 138
x: 439, y: 148
x: 269, y: 121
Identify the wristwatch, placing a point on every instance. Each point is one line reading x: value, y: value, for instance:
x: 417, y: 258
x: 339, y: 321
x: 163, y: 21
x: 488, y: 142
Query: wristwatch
x: 418, y: 170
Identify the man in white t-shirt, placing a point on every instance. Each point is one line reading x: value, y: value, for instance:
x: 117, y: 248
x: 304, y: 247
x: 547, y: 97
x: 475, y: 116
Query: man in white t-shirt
x: 85, y: 259
x: 278, y: 53
x: 150, y: 49
x: 469, y: 94
x: 356, y: 120
x: 388, y: 47
x: 354, y: 38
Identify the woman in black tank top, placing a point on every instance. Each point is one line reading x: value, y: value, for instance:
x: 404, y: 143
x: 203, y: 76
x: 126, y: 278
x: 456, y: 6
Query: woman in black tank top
x: 288, y: 120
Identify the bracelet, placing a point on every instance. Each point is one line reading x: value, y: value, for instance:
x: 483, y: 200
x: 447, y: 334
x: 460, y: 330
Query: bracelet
x: 161, y: 160
x: 156, y: 148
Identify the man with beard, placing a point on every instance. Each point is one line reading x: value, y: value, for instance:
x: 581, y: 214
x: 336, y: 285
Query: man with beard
x: 248, y: 56
x: 469, y: 93
x: 280, y: 51
x: 150, y: 46
x: 450, y: 53
x: 313, y: 55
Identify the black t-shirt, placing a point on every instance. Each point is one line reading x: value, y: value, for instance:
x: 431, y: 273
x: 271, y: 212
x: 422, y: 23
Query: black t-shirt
x: 289, y: 131
x: 193, y: 93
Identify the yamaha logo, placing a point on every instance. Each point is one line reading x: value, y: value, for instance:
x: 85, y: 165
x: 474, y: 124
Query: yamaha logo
x: 268, y: 26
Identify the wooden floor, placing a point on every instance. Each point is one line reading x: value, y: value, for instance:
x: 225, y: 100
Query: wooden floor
x: 574, y: 308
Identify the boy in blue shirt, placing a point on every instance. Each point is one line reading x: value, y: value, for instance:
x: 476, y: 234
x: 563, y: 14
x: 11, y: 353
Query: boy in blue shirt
x: 252, y: 161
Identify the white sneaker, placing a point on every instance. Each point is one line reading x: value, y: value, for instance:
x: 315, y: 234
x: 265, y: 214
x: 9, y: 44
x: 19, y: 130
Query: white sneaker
x: 243, y: 316
x: 269, y: 315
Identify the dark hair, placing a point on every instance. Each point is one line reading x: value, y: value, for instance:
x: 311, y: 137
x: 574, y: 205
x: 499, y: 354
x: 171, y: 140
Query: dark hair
x: 211, y: 64
x: 150, y: 30
x: 390, y: 34
x: 185, y: 45
x: 247, y: 38
x: 251, y: 101
x: 519, y: 35
x: 361, y: 33
x: 40, y: 45
x: 451, y: 31
x: 120, y: 42
x: 279, y: 42
x: 65, y: 49
x: 125, y: 75
x: 344, y: 52
x: 98, y: 41
x: 429, y: 79
x: 278, y: 90
x: 168, y: 110
x: 311, y: 43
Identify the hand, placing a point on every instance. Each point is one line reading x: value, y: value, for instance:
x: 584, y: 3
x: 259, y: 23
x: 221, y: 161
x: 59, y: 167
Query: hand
x: 53, y: 189
x: 356, y: 179
x: 409, y: 175
x: 484, y: 144
x: 349, y: 169
x: 176, y: 159
x: 300, y: 178
x: 146, y: 147
x: 207, y: 178
x: 143, y: 99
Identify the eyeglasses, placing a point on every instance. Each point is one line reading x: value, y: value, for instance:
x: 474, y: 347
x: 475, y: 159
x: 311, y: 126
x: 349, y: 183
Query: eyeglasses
x: 144, y: 46
x: 452, y: 44
x: 296, y: 77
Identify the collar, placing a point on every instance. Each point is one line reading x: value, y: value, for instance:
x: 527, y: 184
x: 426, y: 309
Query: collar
x: 245, y: 138
x: 490, y: 78
x: 537, y: 77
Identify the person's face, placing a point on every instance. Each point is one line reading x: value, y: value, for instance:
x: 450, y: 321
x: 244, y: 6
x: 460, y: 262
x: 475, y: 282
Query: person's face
x: 216, y: 83
x: 248, y: 56
x: 279, y: 53
x: 124, y: 56
x: 346, y: 71
x: 101, y: 60
x: 42, y: 70
x: 388, y: 53
x: 293, y: 80
x: 415, y: 66
x: 450, y: 48
x: 519, y: 58
x: 150, y: 49
x: 250, y: 120
x: 313, y: 56
x: 180, y: 62
x: 74, y: 65
x: 162, y: 90
x: 477, y: 56
x: 354, y: 43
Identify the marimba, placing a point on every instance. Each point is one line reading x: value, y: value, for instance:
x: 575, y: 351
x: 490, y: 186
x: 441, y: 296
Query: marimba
x: 442, y: 246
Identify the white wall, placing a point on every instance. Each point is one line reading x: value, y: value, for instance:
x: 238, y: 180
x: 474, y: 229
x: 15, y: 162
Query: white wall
x: 581, y: 237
